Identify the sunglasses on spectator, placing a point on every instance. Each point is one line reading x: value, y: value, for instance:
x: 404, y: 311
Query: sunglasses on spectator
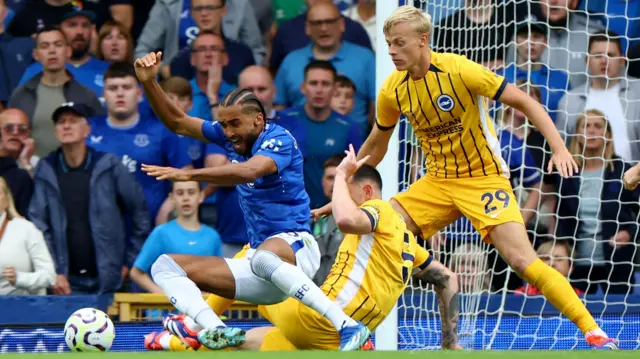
x: 209, y: 48
x: 201, y: 8
x: 324, y: 21
x: 12, y: 128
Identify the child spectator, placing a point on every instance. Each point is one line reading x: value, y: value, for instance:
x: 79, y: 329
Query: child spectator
x: 343, y: 97
x: 554, y: 254
x: 184, y: 235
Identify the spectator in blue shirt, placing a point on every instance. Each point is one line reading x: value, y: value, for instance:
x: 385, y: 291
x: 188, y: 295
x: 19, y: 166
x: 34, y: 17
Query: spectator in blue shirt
x: 328, y: 132
x: 529, y: 66
x: 183, y: 235
x: 208, y: 56
x: 134, y: 138
x: 77, y: 27
x: 343, y: 97
x: 325, y: 26
x: 15, y: 56
x: 230, y: 219
x: 293, y: 34
x: 258, y: 80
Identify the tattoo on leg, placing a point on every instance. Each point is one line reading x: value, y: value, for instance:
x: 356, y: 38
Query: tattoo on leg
x: 449, y: 317
x: 435, y: 277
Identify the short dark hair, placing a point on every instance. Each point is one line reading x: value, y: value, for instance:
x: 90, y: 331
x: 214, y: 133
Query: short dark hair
x: 605, y: 36
x: 203, y: 33
x: 334, y: 161
x: 119, y: 70
x: 320, y: 65
x: 49, y: 28
x: 178, y: 86
x: 368, y: 173
x: 223, y: 2
x: 344, y: 81
x: 245, y: 98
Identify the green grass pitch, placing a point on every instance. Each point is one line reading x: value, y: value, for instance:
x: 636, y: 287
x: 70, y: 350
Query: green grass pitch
x: 350, y: 355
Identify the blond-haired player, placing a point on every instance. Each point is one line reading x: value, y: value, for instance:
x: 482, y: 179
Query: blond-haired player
x: 371, y: 271
x: 444, y: 98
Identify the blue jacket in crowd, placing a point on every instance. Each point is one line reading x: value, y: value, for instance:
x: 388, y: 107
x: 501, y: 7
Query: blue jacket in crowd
x: 114, y: 194
x: 15, y: 57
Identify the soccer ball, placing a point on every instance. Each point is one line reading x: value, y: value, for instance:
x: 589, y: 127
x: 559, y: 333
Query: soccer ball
x: 89, y: 330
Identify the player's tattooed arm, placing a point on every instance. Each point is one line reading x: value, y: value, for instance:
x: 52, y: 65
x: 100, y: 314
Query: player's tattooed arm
x: 445, y: 284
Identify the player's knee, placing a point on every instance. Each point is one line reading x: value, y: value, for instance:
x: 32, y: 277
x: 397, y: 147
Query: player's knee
x: 264, y: 263
x: 166, y: 264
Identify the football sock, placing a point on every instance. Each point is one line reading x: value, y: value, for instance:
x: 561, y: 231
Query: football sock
x: 183, y: 292
x: 295, y: 283
x: 559, y: 292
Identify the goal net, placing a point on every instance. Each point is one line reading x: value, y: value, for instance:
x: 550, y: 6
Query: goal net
x: 494, y: 312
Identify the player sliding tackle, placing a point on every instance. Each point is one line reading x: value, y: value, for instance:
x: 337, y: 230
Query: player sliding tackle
x: 444, y: 97
x: 267, y: 169
x: 370, y: 273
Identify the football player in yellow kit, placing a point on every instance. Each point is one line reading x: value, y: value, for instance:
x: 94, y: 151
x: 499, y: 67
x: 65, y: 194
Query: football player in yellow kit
x: 444, y: 97
x: 372, y: 269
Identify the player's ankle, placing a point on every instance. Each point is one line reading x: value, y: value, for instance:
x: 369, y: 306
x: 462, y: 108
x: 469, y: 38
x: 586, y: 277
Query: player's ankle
x: 596, y: 332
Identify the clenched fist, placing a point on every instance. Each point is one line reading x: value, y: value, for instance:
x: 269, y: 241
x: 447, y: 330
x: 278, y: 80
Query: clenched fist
x: 148, y: 66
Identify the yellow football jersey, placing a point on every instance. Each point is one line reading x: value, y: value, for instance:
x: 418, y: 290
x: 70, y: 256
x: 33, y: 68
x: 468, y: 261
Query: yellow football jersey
x: 372, y: 270
x: 448, y: 111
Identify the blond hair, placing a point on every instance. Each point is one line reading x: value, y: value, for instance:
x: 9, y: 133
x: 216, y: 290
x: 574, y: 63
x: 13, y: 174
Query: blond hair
x: 576, y: 149
x: 12, y: 212
x: 416, y: 18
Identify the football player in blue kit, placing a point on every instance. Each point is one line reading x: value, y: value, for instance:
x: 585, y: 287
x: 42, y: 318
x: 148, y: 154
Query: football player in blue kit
x: 266, y: 168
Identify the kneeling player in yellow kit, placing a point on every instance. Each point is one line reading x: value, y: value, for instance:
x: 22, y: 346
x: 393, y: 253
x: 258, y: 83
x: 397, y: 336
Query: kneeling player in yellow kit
x: 372, y: 268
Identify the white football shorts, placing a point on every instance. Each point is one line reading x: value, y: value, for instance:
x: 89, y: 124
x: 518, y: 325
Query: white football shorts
x: 253, y: 289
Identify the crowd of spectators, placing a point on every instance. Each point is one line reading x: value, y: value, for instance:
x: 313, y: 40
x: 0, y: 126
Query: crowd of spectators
x: 78, y: 215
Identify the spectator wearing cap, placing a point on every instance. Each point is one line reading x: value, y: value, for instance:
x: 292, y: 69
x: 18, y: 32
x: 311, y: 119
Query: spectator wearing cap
x: 173, y: 24
x: 326, y: 27
x: 43, y: 93
x: 608, y: 90
x: 15, y: 57
x: 81, y: 199
x: 40, y: 13
x: 531, y: 42
x: 77, y: 26
x: 295, y: 33
x: 328, y: 132
x: 18, y: 179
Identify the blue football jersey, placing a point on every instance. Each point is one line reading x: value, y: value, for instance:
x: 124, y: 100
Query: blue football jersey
x: 275, y: 203
x: 148, y: 141
x: 520, y: 160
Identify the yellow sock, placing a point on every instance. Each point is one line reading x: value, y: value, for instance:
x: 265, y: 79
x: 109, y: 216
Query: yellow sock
x: 176, y: 345
x: 559, y: 292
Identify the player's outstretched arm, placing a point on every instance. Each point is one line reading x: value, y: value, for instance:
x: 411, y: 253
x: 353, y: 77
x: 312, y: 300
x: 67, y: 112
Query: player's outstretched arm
x: 445, y: 284
x: 147, y: 68
x: 230, y: 174
x: 349, y: 218
x: 561, y: 158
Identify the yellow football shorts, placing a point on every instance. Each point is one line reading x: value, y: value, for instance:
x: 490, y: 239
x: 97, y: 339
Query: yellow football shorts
x: 433, y: 203
x: 298, y: 327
